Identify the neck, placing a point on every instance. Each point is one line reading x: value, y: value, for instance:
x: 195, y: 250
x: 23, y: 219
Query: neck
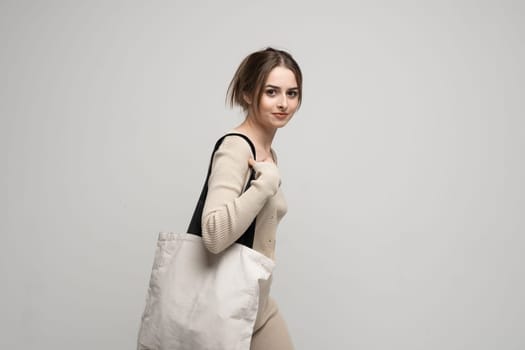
x: 262, y: 137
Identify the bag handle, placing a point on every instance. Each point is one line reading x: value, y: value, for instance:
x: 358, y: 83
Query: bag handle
x: 195, y: 226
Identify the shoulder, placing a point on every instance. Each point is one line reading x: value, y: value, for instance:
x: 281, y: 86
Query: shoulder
x: 237, y: 145
x: 230, y: 160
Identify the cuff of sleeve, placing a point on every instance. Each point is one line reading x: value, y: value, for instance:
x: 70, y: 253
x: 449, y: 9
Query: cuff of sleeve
x: 263, y: 188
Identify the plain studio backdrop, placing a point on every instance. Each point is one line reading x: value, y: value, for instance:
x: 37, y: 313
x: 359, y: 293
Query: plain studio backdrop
x: 403, y: 170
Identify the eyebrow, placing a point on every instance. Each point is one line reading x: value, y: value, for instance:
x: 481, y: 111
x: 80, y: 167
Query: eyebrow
x: 278, y: 88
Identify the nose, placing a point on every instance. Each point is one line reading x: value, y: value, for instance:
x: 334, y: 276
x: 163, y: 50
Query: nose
x: 283, y: 102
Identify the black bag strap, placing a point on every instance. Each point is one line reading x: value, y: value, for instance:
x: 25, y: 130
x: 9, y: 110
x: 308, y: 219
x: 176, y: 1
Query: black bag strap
x: 195, y: 226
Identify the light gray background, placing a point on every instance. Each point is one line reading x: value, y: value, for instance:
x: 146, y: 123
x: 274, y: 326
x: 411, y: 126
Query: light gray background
x: 403, y: 169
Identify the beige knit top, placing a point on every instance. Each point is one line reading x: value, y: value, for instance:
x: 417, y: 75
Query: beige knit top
x: 228, y: 212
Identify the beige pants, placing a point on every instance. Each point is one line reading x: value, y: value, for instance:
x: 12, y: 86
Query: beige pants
x: 271, y: 332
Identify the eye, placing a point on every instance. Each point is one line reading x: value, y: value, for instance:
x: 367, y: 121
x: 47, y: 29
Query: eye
x: 293, y: 93
x: 270, y: 92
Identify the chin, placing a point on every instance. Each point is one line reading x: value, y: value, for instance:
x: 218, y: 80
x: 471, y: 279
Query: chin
x: 281, y: 123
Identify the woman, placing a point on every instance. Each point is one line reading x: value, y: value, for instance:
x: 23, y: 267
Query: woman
x: 268, y: 86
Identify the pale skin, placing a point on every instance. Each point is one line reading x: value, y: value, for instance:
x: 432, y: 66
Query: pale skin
x: 277, y: 106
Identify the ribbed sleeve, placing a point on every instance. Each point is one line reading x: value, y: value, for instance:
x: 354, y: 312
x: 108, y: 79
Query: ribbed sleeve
x: 228, y: 212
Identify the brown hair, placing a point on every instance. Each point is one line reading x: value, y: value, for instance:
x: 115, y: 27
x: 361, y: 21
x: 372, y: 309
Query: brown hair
x: 253, y: 72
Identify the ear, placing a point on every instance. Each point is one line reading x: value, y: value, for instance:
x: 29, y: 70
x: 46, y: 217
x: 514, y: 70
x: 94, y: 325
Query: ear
x: 247, y: 98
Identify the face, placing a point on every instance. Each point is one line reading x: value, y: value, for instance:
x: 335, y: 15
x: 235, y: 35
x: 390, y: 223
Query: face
x: 279, y: 100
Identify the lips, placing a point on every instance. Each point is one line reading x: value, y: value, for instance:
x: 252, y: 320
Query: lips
x: 280, y: 115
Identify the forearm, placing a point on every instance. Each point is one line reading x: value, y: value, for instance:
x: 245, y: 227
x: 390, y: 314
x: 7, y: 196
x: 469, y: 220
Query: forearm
x: 224, y: 224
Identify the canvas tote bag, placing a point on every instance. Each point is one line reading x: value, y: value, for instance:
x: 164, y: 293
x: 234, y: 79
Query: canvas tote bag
x: 197, y: 300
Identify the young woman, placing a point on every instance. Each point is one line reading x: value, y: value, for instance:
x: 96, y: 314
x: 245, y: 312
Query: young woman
x: 268, y: 86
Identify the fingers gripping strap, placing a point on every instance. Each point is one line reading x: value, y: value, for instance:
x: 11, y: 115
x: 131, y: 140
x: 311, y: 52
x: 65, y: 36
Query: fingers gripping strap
x: 195, y: 226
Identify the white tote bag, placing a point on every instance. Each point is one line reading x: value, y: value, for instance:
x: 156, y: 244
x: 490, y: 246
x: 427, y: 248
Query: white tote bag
x: 198, y: 300
x: 202, y: 301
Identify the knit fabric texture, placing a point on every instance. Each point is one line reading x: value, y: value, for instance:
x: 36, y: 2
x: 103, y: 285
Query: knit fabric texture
x: 228, y: 212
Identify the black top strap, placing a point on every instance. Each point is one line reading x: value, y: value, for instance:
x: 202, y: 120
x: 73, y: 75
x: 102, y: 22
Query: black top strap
x: 195, y: 226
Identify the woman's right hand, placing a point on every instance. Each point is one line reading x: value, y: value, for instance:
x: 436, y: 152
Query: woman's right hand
x: 267, y: 173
